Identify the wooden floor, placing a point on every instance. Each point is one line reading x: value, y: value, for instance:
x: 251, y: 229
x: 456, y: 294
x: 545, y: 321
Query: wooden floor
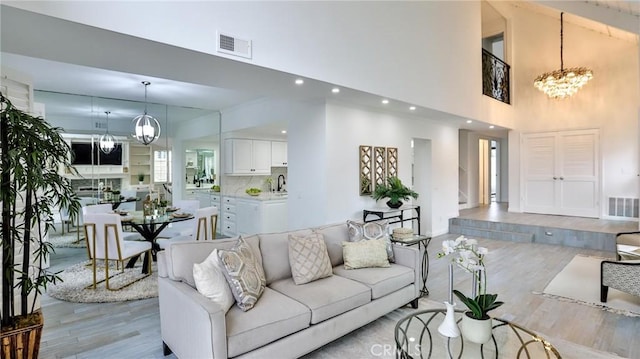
x: 515, y: 270
x: 498, y: 212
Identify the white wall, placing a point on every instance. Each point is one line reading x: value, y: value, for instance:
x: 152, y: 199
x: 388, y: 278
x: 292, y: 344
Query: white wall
x: 393, y: 49
x: 609, y: 102
x: 349, y: 127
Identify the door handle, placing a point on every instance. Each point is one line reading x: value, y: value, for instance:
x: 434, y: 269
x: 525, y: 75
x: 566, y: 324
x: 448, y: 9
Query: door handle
x: 555, y: 178
x: 561, y: 178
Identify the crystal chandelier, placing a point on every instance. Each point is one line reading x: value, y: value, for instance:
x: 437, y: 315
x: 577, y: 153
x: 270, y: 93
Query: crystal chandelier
x: 564, y: 82
x: 107, y: 142
x: 146, y: 128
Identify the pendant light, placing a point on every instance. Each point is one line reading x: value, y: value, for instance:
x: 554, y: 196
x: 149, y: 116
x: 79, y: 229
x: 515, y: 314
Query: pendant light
x: 564, y: 82
x: 146, y: 128
x: 107, y: 142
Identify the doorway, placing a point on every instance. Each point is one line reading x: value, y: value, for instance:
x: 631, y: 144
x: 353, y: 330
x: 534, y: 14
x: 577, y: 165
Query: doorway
x: 488, y: 175
x: 422, y: 182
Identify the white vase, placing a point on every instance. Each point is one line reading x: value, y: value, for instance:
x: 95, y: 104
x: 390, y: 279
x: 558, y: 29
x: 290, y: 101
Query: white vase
x: 449, y: 327
x: 476, y: 330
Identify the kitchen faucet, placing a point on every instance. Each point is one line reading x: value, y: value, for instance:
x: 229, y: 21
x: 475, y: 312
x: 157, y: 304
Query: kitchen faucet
x: 281, y: 185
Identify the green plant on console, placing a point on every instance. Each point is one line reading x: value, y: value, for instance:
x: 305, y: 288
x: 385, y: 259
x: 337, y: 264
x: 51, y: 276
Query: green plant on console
x: 140, y: 177
x: 394, y: 190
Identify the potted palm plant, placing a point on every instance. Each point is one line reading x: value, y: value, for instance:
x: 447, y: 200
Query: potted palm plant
x: 31, y: 187
x: 395, y: 191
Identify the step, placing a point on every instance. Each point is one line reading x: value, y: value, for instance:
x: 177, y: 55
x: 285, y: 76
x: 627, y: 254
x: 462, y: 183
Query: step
x: 532, y: 233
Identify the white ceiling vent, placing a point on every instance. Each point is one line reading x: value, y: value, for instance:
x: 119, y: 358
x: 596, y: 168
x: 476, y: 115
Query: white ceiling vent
x: 232, y: 45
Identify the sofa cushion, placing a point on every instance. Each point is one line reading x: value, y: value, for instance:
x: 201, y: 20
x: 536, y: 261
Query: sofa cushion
x: 211, y: 283
x: 309, y: 258
x: 326, y: 297
x: 371, y: 230
x: 334, y: 235
x: 273, y: 317
x: 243, y: 272
x: 275, y: 254
x: 364, y: 254
x: 382, y: 281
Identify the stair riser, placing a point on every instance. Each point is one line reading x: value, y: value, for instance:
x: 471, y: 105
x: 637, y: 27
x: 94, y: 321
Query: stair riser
x: 530, y: 233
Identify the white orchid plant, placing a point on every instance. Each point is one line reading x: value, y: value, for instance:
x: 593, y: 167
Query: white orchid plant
x: 466, y: 254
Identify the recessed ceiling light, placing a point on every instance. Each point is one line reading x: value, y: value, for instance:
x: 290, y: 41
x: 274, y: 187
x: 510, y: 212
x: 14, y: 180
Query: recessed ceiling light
x: 299, y: 81
x: 385, y: 101
x: 283, y: 131
x: 492, y: 126
x: 412, y: 108
x: 335, y: 90
x: 469, y: 121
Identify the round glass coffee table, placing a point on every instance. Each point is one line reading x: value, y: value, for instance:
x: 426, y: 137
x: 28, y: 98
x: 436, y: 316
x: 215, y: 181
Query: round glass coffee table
x: 417, y: 336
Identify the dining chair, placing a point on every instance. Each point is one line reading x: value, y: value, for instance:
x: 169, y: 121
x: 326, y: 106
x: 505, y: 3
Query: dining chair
x: 108, y: 208
x: 104, y: 236
x: 182, y: 228
x: 204, y: 228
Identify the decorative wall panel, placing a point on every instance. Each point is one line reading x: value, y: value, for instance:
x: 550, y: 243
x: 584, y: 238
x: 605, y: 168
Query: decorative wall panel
x: 379, y: 165
x: 392, y: 162
x: 366, y: 172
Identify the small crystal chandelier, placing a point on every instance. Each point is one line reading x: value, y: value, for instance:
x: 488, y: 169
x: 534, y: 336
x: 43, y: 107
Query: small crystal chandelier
x: 564, y: 82
x: 146, y: 128
x: 107, y: 142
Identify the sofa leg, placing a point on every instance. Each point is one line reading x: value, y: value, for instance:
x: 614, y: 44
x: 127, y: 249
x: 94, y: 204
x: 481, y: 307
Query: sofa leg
x: 165, y: 349
x: 414, y: 303
x: 604, y: 291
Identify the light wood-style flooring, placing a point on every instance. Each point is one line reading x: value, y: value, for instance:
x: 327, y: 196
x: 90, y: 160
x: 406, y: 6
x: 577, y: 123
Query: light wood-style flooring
x: 515, y: 270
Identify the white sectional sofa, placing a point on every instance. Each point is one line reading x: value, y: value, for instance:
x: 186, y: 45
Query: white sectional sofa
x: 288, y: 320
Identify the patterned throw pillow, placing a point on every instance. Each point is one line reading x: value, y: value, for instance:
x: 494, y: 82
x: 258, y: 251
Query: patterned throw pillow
x: 371, y: 230
x: 309, y: 258
x: 364, y: 254
x: 244, y: 274
x: 211, y: 283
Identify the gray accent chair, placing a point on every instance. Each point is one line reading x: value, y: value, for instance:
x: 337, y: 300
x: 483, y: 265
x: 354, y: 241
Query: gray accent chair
x: 623, y: 274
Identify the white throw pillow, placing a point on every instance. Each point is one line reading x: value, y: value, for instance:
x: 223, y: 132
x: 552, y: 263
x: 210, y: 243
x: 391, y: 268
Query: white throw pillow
x: 211, y: 283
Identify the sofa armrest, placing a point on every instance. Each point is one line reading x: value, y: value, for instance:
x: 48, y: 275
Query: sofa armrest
x: 410, y: 256
x: 185, y: 314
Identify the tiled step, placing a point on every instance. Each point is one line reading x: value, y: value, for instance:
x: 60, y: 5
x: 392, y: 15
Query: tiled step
x: 531, y: 233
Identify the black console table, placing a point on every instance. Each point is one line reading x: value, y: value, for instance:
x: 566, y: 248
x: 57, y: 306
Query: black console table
x: 396, y: 215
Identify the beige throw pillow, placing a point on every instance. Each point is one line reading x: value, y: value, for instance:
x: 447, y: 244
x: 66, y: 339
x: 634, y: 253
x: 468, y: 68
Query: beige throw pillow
x: 211, y: 283
x: 371, y: 230
x: 244, y: 274
x: 364, y: 254
x: 309, y: 258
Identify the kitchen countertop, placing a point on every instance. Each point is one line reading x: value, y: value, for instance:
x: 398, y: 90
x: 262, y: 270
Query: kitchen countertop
x: 264, y: 196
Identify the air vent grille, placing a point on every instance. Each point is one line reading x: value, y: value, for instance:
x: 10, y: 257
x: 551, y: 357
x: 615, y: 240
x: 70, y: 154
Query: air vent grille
x: 623, y: 207
x: 232, y: 45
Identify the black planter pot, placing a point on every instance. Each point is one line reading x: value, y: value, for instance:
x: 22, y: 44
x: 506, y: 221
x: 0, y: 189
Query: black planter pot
x: 394, y: 205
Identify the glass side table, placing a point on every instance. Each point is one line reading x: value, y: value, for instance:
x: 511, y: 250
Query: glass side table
x: 417, y: 336
x: 423, y: 243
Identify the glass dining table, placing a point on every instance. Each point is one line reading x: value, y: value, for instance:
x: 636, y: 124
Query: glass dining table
x: 149, y: 227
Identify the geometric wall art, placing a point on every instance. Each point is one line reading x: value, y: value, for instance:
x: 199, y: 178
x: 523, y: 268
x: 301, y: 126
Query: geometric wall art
x: 376, y: 165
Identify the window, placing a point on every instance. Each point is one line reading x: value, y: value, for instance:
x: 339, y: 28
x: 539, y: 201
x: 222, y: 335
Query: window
x: 161, y: 166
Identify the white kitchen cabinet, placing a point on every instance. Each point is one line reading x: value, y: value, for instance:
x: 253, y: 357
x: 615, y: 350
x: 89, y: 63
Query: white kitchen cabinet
x: 204, y: 198
x: 228, y: 215
x: 247, y: 157
x: 278, y: 154
x: 246, y: 216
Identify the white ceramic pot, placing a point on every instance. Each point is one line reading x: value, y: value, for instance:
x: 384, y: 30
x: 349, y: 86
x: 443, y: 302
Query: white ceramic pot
x: 475, y: 330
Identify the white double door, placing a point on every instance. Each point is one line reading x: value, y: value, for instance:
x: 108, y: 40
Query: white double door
x: 561, y: 173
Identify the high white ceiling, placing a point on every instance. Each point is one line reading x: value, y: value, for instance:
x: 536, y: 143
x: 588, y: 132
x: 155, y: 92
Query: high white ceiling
x: 214, y: 83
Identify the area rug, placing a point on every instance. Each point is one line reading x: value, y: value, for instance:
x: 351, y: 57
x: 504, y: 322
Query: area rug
x: 579, y: 282
x: 76, y: 278
x: 68, y: 240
